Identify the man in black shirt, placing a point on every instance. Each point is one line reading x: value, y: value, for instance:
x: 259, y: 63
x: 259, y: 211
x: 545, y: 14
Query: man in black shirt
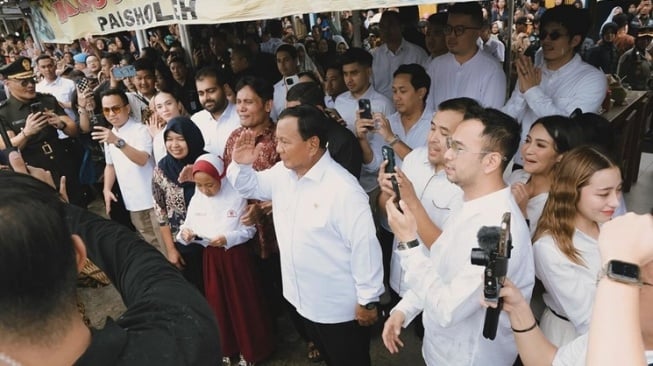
x: 167, y: 321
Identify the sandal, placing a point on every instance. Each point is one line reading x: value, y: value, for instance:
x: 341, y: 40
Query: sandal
x: 313, y: 353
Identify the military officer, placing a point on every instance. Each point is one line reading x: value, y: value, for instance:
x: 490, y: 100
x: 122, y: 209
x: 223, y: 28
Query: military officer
x: 32, y: 120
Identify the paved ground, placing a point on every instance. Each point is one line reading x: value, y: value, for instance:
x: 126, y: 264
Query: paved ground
x: 291, y: 350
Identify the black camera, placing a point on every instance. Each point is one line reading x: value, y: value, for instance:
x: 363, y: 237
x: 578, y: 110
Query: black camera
x: 495, y: 245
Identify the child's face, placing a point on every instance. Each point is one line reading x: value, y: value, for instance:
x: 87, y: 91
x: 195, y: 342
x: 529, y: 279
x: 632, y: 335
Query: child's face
x: 206, y: 184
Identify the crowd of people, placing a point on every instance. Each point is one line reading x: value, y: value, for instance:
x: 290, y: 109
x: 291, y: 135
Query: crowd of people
x: 297, y: 174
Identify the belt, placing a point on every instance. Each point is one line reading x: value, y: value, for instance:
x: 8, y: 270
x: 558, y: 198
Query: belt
x: 558, y: 315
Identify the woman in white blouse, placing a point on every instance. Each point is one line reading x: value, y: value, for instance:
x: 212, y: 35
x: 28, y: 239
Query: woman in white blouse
x: 548, y: 139
x: 585, y: 192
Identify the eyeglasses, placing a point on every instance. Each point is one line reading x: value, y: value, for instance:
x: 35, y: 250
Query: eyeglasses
x: 553, y: 35
x: 25, y: 82
x: 115, y: 109
x: 457, y: 149
x: 457, y: 30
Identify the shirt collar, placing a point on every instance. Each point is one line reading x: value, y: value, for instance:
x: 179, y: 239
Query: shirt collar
x: 571, y: 65
x: 317, y: 171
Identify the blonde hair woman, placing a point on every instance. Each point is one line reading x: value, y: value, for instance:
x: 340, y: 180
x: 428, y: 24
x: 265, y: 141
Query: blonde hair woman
x: 585, y: 193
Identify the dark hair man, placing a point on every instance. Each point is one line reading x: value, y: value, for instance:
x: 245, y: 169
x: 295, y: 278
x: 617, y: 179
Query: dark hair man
x: 128, y: 156
x: 288, y: 67
x: 435, y: 40
x: 334, y: 84
x: 464, y: 71
x: 342, y: 144
x: 329, y: 208
x: 446, y: 285
x: 45, y: 244
x: 185, y: 83
x: 357, y: 69
x: 564, y: 82
x: 219, y: 118
x: 394, y: 51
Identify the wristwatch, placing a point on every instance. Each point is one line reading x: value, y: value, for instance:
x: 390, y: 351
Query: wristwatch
x: 371, y: 305
x: 623, y: 272
x: 408, y: 244
x: 120, y: 143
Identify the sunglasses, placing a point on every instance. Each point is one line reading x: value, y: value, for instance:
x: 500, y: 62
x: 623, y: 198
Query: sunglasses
x: 553, y: 35
x: 115, y: 109
x: 25, y: 82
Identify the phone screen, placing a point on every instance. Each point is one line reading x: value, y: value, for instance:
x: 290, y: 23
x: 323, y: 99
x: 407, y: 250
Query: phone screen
x: 122, y: 72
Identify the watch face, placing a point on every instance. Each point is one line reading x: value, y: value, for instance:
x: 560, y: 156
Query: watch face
x: 622, y: 270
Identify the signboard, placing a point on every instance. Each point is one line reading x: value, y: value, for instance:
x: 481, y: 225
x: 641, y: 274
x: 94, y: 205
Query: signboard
x: 62, y: 21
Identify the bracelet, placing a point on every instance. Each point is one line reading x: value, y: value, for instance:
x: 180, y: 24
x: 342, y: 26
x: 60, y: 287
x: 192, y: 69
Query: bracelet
x: 24, y: 134
x: 525, y: 330
x: 394, y: 140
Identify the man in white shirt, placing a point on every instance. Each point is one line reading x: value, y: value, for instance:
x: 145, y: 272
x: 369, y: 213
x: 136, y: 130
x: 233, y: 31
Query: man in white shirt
x: 466, y: 71
x: 445, y: 285
x: 357, y: 71
x: 490, y: 44
x: 393, y: 52
x: 288, y: 67
x: 334, y: 84
x: 145, y: 82
x: 564, y: 81
x: 128, y: 149
x: 424, y: 186
x: 60, y: 88
x: 219, y: 118
x: 330, y: 258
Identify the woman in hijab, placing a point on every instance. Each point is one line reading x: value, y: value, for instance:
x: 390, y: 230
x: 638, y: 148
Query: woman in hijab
x: 184, y: 144
x: 305, y: 62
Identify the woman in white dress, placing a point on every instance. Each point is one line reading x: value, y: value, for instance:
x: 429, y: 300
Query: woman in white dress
x: 548, y: 139
x: 585, y: 192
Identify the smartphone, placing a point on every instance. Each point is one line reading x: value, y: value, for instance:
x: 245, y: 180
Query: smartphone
x: 292, y: 81
x: 366, y: 107
x: 82, y: 84
x: 36, y: 107
x: 395, y: 187
x: 122, y: 72
x: 389, y: 155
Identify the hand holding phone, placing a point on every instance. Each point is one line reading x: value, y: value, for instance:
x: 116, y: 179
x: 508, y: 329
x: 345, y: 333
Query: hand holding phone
x: 36, y: 107
x: 122, y: 72
x: 395, y: 188
x: 389, y: 155
x: 365, y: 106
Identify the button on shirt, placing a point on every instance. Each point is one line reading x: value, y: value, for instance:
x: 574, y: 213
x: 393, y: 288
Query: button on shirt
x: 347, y: 106
x: 480, y: 78
x: 574, y: 85
x: 570, y: 287
x: 386, y: 62
x: 448, y: 287
x: 216, y: 132
x: 135, y: 180
x: 437, y: 194
x: 330, y: 257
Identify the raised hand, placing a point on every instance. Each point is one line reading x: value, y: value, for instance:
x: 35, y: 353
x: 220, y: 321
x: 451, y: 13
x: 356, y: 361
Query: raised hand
x: 245, y: 150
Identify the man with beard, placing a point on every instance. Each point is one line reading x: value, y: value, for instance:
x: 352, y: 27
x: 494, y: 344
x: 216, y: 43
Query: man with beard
x: 219, y: 118
x: 564, y: 82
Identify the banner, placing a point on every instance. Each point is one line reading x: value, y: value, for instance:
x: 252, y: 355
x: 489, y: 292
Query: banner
x: 62, y: 21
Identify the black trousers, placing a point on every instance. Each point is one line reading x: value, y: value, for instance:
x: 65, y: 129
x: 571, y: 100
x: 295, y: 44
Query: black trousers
x: 341, y: 344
